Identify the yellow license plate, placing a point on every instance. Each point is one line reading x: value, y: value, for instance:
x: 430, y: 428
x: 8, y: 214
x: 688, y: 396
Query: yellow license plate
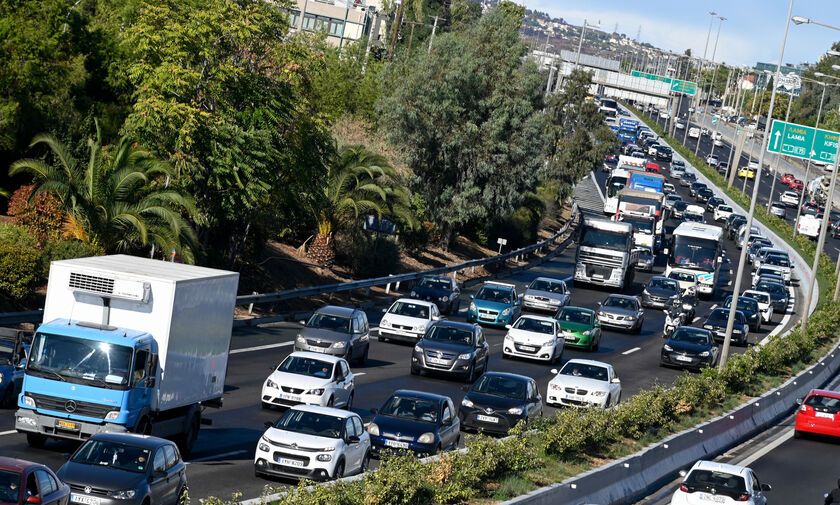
x: 68, y: 425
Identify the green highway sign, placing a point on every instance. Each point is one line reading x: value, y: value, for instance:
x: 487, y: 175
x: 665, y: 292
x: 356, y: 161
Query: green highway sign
x: 792, y: 139
x: 677, y: 85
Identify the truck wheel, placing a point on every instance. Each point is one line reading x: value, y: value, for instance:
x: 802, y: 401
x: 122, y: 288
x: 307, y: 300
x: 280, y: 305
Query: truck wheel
x: 143, y: 427
x: 35, y: 440
x: 8, y: 400
x: 186, y: 441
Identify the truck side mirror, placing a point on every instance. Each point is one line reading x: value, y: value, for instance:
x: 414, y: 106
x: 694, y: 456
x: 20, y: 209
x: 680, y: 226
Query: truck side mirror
x: 149, y: 382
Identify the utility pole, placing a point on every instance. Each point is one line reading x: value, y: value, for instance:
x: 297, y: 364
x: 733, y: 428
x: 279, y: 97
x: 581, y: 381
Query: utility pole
x: 397, y: 22
x: 434, y: 29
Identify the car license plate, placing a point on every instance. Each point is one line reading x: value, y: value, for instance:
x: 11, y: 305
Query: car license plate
x: 597, y: 276
x: 86, y: 500
x: 290, y: 462
x: 527, y: 348
x: 291, y: 398
x: 69, y: 425
x: 574, y: 398
x: 315, y: 348
x: 487, y: 419
x: 683, y: 358
x: 437, y: 361
x: 712, y: 498
x: 824, y: 414
x: 397, y: 444
x: 568, y: 336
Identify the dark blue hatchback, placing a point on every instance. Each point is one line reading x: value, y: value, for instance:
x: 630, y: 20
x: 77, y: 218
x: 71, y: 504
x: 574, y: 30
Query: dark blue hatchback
x: 423, y: 423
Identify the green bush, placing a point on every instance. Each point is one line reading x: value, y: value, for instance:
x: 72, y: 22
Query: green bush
x: 18, y: 270
x: 64, y: 250
x: 366, y: 255
x: 15, y: 236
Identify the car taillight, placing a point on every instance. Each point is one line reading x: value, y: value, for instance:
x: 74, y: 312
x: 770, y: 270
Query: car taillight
x: 743, y: 497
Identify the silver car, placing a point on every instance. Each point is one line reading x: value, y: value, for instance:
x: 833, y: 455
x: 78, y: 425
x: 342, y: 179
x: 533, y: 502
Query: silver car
x: 546, y: 294
x: 340, y: 331
x: 622, y: 312
x: 778, y: 209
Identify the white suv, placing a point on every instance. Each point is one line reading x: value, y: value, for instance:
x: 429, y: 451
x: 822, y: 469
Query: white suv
x: 310, y: 378
x: 710, y: 482
x: 315, y: 443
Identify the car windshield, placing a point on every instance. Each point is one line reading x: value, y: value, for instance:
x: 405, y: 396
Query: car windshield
x: 691, y: 336
x: 723, y: 483
x: 113, y: 454
x: 434, y: 283
x: 771, y: 287
x: 682, y: 276
x: 585, y: 370
x: 680, y: 205
x: 450, y: 335
x: 748, y: 304
x: 696, y: 218
x: 494, y: 294
x: 547, y: 285
x: 498, y: 385
x: 620, y: 302
x: 329, y: 322
x: 677, y: 164
x: 80, y: 360
x: 301, y: 365
x: 534, y: 325
x: 9, y: 486
x: 571, y: 315
x: 661, y: 283
x: 720, y: 316
x: 409, y: 407
x: 724, y: 208
x: 774, y: 259
x: 824, y: 403
x: 411, y: 309
x: 310, y: 423
x: 7, y: 351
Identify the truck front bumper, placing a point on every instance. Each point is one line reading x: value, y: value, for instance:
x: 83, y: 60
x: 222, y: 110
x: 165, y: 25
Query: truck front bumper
x: 30, y: 421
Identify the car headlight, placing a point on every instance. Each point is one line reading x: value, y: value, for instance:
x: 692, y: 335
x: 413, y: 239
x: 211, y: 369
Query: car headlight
x: 508, y: 338
x: 704, y: 354
x: 264, y: 447
x: 271, y: 384
x: 601, y: 313
x: 631, y: 318
x: 737, y: 331
x: 426, y: 438
x: 466, y: 355
x: 420, y: 327
x: 373, y: 429
x: 472, y: 307
x: 384, y: 323
x: 316, y: 392
x: 587, y: 333
x: 338, y: 345
x: 668, y: 348
x: 300, y: 339
x: 598, y: 393
x: 467, y: 403
x: 414, y: 294
x: 29, y: 401
x: 517, y: 411
x: 444, y: 298
x: 125, y: 494
x: 506, y: 312
x: 112, y: 415
x: 417, y: 348
x: 324, y: 457
x: 1, y: 378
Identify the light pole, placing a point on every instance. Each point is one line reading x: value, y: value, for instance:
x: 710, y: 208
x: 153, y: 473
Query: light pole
x: 709, y: 34
x: 580, y: 43
x: 712, y: 83
x: 730, y: 323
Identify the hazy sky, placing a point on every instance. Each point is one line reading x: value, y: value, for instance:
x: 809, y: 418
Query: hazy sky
x: 752, y: 31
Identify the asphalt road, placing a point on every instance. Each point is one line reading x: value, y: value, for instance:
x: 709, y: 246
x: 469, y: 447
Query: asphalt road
x: 221, y: 463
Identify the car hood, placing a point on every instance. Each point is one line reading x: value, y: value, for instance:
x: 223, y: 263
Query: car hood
x: 392, y: 425
x: 574, y: 327
x: 320, y: 333
x: 482, y: 401
x: 580, y: 382
x: 429, y: 345
x: 618, y: 311
x: 661, y: 292
x: 529, y: 337
x: 298, y: 381
x: 687, y: 347
x: 101, y: 477
x: 546, y: 294
x: 301, y: 439
x: 487, y: 304
x: 404, y: 320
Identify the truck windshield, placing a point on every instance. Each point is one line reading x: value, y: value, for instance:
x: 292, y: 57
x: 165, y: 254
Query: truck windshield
x: 615, y: 240
x: 6, y: 352
x: 615, y: 185
x: 80, y: 360
x: 695, y: 253
x: 640, y: 224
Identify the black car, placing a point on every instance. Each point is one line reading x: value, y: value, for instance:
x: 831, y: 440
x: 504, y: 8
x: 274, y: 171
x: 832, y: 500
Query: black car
x: 660, y: 292
x: 444, y: 291
x: 498, y: 401
x: 695, y: 188
x: 713, y: 203
x: 664, y: 153
x: 687, y: 179
x: 689, y: 347
x: 716, y: 323
x: 723, y: 168
x: 704, y: 195
x: 750, y: 309
x: 733, y: 223
x: 454, y: 348
x: 423, y: 423
x: 778, y: 294
x: 679, y: 209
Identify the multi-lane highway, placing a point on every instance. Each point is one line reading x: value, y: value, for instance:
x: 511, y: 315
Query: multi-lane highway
x: 222, y: 460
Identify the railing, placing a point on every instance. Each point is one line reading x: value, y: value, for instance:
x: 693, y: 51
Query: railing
x: 35, y: 316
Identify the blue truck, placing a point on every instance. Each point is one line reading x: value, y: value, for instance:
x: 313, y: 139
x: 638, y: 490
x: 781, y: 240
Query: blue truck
x: 127, y: 344
x: 628, y: 130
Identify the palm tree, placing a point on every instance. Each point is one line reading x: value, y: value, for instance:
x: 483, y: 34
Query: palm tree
x: 118, y: 199
x: 358, y: 182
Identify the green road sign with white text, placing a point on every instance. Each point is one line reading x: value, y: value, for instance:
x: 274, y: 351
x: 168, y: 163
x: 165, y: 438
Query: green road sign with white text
x: 796, y: 140
x: 677, y: 85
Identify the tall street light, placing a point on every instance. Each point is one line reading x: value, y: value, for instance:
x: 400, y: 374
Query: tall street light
x: 714, y: 75
x: 709, y: 34
x: 580, y: 43
x: 730, y: 323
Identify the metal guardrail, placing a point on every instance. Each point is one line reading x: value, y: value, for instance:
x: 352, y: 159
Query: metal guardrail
x: 35, y: 316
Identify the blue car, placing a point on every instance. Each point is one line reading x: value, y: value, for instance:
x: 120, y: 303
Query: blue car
x: 443, y: 291
x: 14, y: 348
x: 495, y: 304
x: 423, y: 423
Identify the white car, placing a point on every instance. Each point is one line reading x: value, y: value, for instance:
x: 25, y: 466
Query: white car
x: 694, y: 132
x: 718, y: 142
x: 766, y: 269
x: 711, y: 482
x: 765, y: 303
x: 668, y: 188
x: 664, y: 114
x: 696, y: 212
x: 310, y: 378
x: 407, y: 319
x: 652, y: 149
x: 535, y: 337
x: 722, y: 212
x: 790, y: 198
x: 712, y: 160
x: 315, y: 443
x: 753, y: 164
x: 680, y: 124
x: 808, y: 225
x: 584, y: 383
x: 687, y: 279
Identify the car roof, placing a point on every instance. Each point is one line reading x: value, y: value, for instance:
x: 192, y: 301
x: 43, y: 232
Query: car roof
x: 714, y: 466
x: 317, y: 409
x: 135, y: 439
x: 316, y: 355
x: 578, y: 309
x: 729, y: 298
x: 824, y: 392
x: 587, y: 362
x: 439, y: 277
x: 509, y: 375
x: 419, y: 394
x: 415, y: 301
x: 335, y: 310
x: 551, y: 279
x: 660, y: 277
x: 749, y: 292
x: 628, y: 297
x: 537, y: 318
x: 15, y: 464
x: 500, y: 284
x: 455, y: 324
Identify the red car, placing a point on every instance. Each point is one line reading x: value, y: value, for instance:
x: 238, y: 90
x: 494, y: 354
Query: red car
x: 796, y: 185
x: 787, y: 178
x: 652, y: 167
x: 24, y: 482
x: 819, y: 414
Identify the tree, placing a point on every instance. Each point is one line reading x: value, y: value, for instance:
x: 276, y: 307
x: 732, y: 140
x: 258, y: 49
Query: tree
x: 117, y: 199
x: 467, y: 117
x: 358, y: 182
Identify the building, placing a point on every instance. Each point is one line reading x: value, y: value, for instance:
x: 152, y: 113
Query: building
x: 763, y: 76
x: 343, y: 21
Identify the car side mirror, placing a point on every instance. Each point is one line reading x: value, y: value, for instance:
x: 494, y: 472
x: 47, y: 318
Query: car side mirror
x: 554, y: 371
x: 799, y: 401
x: 472, y: 297
x: 34, y: 500
x: 435, y: 318
x: 616, y: 380
x: 384, y: 311
x: 66, y: 455
x: 766, y: 487
x: 374, y: 411
x: 302, y: 323
x: 268, y: 424
x: 683, y: 473
x: 508, y: 326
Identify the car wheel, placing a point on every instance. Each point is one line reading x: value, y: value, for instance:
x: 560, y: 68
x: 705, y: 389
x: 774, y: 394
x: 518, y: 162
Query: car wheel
x: 380, y: 338
x: 365, y: 463
x: 183, y: 496
x: 363, y: 359
x: 638, y: 328
x: 331, y: 402
x: 597, y: 344
x: 505, y: 355
x: 350, y: 401
x: 339, y: 470
x: 266, y: 405
x: 415, y: 370
x: 797, y: 434
x: 470, y: 375
x: 607, y: 403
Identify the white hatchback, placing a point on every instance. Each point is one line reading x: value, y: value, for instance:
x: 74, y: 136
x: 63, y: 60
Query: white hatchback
x: 765, y: 303
x: 710, y: 482
x: 310, y: 378
x: 722, y: 212
x: 790, y: 198
x: 535, y: 337
x: 584, y: 383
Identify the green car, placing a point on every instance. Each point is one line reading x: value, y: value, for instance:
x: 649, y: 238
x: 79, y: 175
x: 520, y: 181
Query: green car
x: 580, y: 327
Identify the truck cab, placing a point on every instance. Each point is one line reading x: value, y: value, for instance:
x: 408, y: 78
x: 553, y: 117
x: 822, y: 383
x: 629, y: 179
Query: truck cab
x: 14, y: 347
x: 606, y: 253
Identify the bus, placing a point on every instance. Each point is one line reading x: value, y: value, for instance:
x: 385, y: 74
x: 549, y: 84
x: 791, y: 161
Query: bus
x: 699, y: 248
x: 616, y: 181
x: 646, y: 181
x: 609, y: 107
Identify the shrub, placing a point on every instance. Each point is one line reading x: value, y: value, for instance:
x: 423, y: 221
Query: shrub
x: 42, y: 217
x: 18, y: 270
x: 64, y: 250
x: 368, y: 256
x: 16, y: 236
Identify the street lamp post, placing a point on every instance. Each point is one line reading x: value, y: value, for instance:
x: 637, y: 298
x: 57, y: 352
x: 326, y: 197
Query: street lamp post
x: 730, y: 323
x: 580, y: 43
x: 712, y: 83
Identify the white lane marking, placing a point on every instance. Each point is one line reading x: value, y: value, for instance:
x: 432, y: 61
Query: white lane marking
x: 359, y: 374
x: 496, y: 345
x: 713, y: 307
x: 262, y: 347
x: 631, y: 351
x: 217, y: 456
x: 7, y: 432
x: 788, y: 313
x: 595, y: 182
x: 765, y: 449
x: 695, y: 319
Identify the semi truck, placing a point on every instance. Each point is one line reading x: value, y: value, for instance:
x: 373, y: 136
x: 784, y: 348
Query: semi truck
x: 643, y: 209
x: 127, y: 344
x: 606, y: 253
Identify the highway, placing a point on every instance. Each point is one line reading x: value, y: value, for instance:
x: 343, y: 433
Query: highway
x: 221, y: 463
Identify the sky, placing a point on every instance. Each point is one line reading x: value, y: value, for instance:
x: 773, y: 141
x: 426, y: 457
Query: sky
x: 752, y: 32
